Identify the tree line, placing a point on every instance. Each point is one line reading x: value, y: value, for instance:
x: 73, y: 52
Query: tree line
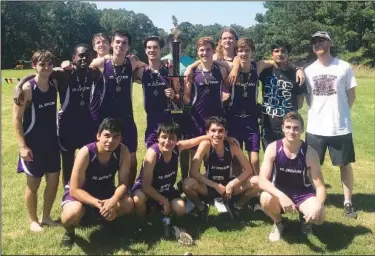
x: 59, y: 26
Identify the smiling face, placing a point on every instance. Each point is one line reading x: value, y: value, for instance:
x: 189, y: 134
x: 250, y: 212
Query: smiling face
x: 153, y: 50
x: 101, y: 46
x: 120, y: 45
x: 216, y: 133
x: 228, y: 40
x: 82, y: 57
x: 245, y: 53
x: 167, y: 141
x: 292, y: 130
x: 205, y: 52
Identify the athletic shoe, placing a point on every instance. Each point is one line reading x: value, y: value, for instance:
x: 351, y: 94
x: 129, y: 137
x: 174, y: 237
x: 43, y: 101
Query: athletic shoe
x: 306, y: 228
x: 349, y: 211
x: 277, y: 231
x: 234, y: 212
x: 68, y: 240
x: 182, y: 236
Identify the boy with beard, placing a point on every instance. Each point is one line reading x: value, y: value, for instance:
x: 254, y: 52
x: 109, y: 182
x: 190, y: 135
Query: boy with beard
x: 330, y: 96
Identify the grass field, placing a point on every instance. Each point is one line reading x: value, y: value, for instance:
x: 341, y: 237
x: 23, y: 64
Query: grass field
x: 337, y: 235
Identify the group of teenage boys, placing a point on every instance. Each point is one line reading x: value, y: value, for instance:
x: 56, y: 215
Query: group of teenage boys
x: 96, y: 118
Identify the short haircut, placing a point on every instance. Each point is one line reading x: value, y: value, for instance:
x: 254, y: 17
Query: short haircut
x: 169, y: 128
x: 113, y: 125
x: 216, y: 120
x: 42, y: 56
x: 99, y: 35
x: 122, y: 33
x: 81, y: 45
x: 243, y: 42
x: 281, y: 44
x: 154, y: 38
x: 294, y: 116
x: 230, y: 30
x: 205, y: 40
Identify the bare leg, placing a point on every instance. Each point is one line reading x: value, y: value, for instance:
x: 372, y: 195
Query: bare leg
x: 192, y: 188
x: 271, y: 206
x: 52, y: 180
x: 254, y: 161
x: 133, y: 168
x: 347, y: 181
x: 31, y: 199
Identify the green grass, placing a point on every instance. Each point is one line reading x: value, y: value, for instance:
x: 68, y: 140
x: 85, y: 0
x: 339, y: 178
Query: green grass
x: 337, y: 235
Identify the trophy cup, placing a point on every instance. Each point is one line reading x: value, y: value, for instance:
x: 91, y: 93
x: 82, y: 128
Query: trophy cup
x: 176, y: 106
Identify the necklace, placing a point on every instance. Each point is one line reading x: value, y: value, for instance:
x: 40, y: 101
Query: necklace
x: 119, y: 77
x: 81, y: 88
x: 245, y: 82
x: 206, y: 83
x: 155, y: 79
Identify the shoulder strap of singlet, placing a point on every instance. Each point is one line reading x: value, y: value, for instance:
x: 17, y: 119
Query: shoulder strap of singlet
x: 302, y: 152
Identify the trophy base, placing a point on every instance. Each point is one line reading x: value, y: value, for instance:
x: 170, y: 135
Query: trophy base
x: 177, y: 111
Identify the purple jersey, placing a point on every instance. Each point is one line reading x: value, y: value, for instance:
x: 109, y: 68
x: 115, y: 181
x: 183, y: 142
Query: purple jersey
x: 118, y: 88
x: 155, y: 101
x: 100, y: 176
x: 206, y: 95
x: 291, y: 174
x: 39, y: 121
x: 164, y: 173
x: 219, y: 169
x: 244, y: 94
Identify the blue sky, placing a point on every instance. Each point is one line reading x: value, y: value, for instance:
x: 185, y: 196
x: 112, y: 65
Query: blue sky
x: 205, y: 13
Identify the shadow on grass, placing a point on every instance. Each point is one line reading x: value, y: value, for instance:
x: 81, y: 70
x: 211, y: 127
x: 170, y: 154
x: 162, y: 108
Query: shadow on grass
x: 335, y: 236
x: 119, y: 235
x: 361, y: 202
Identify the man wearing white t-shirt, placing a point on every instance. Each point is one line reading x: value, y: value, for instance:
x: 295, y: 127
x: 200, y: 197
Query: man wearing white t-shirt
x: 330, y: 96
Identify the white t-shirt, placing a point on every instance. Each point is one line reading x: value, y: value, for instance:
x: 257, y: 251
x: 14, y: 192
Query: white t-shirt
x: 329, y: 112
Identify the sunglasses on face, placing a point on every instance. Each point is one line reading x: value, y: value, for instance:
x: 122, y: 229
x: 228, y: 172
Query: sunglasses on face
x: 318, y: 40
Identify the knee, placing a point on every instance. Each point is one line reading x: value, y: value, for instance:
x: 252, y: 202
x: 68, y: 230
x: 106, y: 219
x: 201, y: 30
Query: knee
x: 189, y: 185
x: 179, y: 208
x: 322, y: 217
x: 139, y: 198
x: 72, y: 214
x: 266, y: 199
x: 126, y: 205
x: 254, y: 182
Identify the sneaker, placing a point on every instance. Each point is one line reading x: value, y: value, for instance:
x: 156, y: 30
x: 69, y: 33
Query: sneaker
x: 182, y: 236
x: 189, y: 206
x: 349, y: 211
x: 68, y: 240
x: 306, y: 228
x: 277, y: 231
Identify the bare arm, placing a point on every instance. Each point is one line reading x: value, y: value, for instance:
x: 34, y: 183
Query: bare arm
x: 136, y: 63
x: 187, y: 144
x: 225, y: 95
x: 232, y: 79
x: 266, y: 170
x: 98, y: 63
x: 313, y: 163
x: 247, y: 170
x: 148, y: 169
x: 350, y: 93
x: 202, y: 151
x: 300, y: 100
x: 263, y: 64
x: 137, y: 75
x: 78, y: 178
x: 187, y: 89
x: 18, y: 114
x: 18, y: 91
x: 123, y: 173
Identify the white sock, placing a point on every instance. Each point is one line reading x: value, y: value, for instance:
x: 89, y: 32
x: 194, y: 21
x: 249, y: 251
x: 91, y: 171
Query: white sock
x: 347, y: 202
